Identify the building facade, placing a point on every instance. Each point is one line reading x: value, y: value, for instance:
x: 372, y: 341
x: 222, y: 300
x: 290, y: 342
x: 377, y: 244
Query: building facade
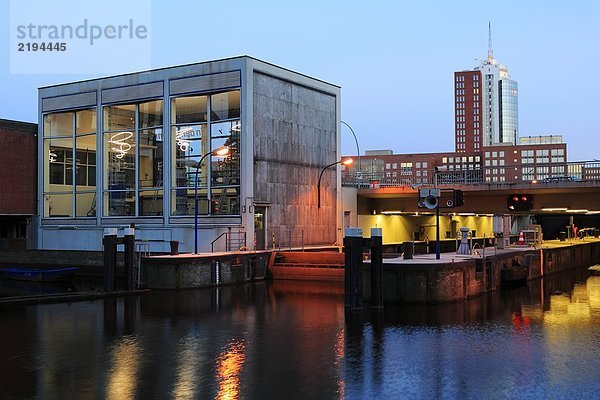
x: 486, y: 106
x: 18, y: 158
x: 141, y: 149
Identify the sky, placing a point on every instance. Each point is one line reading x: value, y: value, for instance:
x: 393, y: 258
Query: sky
x: 394, y: 60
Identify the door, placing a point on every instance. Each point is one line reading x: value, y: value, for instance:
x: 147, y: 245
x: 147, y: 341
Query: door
x: 260, y: 223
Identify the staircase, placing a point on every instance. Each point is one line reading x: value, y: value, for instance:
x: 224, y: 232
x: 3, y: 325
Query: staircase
x: 312, y: 266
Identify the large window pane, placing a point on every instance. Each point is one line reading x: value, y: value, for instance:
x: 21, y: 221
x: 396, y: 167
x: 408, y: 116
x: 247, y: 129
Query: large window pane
x: 118, y: 118
x: 226, y: 170
x: 189, y: 110
x: 189, y: 144
x: 150, y: 158
x: 119, y: 150
x: 58, y: 161
x: 85, y: 162
x: 85, y: 204
x: 151, y: 114
x: 119, y: 203
x: 225, y: 201
x: 58, y: 205
x: 85, y: 121
x: 184, y: 204
x: 151, y: 202
x: 225, y: 105
x: 59, y: 124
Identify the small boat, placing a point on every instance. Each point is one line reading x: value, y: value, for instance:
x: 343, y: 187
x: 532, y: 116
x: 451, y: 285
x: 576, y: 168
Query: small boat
x: 38, y: 275
x: 515, y: 275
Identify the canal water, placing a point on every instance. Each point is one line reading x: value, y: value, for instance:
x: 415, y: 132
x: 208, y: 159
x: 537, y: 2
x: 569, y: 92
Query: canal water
x: 290, y: 340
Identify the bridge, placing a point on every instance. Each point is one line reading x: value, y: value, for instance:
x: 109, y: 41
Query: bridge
x: 574, y: 192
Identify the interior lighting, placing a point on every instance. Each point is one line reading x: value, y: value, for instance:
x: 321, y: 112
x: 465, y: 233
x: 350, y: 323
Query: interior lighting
x: 554, y: 209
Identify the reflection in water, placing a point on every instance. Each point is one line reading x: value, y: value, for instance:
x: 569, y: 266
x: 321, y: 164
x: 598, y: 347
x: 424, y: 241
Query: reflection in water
x: 293, y: 340
x: 187, y: 379
x: 122, y: 379
x: 229, y: 367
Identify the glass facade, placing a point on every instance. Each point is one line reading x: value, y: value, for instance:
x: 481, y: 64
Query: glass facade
x: 509, y: 118
x: 70, y: 164
x: 133, y: 159
x: 133, y: 169
x: 202, y: 125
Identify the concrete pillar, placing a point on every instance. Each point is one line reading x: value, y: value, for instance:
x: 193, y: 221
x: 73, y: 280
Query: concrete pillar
x: 109, y: 243
x: 376, y: 268
x: 353, y: 244
x: 129, y: 242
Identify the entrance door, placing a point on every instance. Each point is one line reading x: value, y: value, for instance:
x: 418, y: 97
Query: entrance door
x: 260, y: 223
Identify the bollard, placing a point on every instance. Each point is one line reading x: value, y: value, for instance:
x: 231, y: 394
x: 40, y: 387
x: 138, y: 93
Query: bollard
x: 353, y: 243
x: 129, y: 242
x: 109, y: 242
x: 174, y: 247
x: 407, y: 250
x: 376, y: 268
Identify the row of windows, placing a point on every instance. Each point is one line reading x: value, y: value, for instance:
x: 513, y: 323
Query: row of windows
x: 463, y: 159
x: 133, y: 170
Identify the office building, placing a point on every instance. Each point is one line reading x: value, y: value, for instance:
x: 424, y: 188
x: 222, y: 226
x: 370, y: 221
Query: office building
x: 140, y: 149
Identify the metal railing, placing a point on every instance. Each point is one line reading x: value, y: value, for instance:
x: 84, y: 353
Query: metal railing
x: 547, y: 173
x: 234, y: 240
x: 287, y: 238
x: 142, y: 250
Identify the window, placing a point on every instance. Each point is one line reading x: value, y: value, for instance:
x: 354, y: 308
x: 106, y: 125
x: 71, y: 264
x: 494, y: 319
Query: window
x: 133, y: 163
x: 70, y: 164
x: 203, y: 124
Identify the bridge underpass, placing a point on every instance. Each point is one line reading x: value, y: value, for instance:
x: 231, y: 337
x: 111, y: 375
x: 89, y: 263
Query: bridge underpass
x: 555, y: 205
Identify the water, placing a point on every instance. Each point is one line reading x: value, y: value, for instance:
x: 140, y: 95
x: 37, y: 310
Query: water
x: 293, y: 341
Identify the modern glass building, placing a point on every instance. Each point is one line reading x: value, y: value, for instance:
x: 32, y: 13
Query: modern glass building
x: 140, y: 149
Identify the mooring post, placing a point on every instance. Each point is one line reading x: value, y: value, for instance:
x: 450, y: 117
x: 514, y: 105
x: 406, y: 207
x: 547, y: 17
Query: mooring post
x: 376, y: 268
x: 129, y: 242
x: 109, y: 242
x: 353, y: 244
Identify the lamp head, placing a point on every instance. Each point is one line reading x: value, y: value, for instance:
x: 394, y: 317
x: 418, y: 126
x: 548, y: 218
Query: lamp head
x: 347, y: 161
x: 221, y: 151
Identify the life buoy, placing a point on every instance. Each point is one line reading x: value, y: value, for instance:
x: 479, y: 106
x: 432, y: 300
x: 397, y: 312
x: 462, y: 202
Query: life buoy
x: 422, y: 230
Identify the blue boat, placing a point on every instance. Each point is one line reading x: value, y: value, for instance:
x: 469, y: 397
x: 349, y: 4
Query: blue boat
x: 38, y: 275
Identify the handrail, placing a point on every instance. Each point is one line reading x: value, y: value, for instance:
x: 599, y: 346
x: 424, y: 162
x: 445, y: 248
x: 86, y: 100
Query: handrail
x: 212, y: 244
x: 241, y: 242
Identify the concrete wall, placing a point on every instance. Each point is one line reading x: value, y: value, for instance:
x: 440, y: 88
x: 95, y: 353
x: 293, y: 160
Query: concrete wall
x: 295, y: 137
x: 195, y: 272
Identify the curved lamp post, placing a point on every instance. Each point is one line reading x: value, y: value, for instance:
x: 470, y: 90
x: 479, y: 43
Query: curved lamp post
x: 221, y: 152
x: 346, y: 161
x: 357, y: 151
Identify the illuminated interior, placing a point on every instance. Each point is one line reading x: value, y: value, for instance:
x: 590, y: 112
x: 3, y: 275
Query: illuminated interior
x: 133, y: 170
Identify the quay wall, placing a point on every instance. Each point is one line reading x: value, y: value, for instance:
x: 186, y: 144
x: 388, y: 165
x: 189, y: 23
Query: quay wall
x: 468, y: 277
x: 193, y: 271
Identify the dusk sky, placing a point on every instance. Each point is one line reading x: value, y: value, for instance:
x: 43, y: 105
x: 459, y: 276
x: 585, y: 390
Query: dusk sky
x: 394, y: 60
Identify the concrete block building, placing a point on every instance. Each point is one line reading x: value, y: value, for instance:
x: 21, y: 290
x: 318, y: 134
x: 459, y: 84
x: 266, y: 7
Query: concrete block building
x: 140, y: 149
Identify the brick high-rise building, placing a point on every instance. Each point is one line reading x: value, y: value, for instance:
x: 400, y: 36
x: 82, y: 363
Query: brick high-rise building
x: 467, y: 110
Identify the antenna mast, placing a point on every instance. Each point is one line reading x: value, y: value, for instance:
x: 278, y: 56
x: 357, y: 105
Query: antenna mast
x: 490, y: 55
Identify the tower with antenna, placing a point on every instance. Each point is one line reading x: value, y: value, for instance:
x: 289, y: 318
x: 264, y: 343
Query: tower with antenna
x: 486, y: 105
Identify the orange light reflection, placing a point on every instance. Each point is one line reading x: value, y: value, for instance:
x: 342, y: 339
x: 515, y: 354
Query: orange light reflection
x: 229, y: 366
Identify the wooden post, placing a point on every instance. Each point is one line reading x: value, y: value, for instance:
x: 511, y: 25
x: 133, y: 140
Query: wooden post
x: 376, y: 268
x: 353, y: 244
x: 129, y: 242
x: 109, y: 242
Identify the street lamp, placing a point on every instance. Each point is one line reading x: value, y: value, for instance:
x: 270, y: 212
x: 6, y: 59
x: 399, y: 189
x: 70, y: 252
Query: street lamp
x: 346, y: 161
x: 220, y: 152
x: 357, y: 150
